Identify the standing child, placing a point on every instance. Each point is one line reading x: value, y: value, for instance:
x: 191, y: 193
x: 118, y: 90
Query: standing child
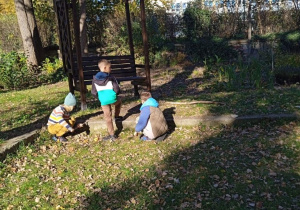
x: 106, y: 88
x: 60, y: 122
x: 151, y: 121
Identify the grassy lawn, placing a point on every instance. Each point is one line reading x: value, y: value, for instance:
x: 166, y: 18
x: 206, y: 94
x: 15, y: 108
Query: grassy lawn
x: 256, y: 166
x: 22, y: 110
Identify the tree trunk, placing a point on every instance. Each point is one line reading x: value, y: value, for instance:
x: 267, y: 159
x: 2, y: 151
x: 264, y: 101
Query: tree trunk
x: 30, y: 35
x: 249, y: 21
x: 259, y: 23
x: 83, y: 28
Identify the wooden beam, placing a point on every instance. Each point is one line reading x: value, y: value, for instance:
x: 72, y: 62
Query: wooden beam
x: 145, y: 42
x: 64, y: 44
x: 129, y: 29
x: 79, y: 57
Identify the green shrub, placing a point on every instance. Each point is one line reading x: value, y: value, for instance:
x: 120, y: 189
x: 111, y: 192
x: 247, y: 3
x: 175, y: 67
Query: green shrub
x: 160, y: 59
x: 287, y: 41
x: 206, y: 48
x: 287, y: 68
x: 51, y: 67
x: 287, y: 60
x: 197, y: 22
x: 290, y: 41
x: 167, y: 58
x: 235, y: 76
x: 51, y: 71
x: 14, y: 73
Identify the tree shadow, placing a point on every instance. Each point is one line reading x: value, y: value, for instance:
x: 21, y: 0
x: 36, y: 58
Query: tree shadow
x: 169, y: 115
x: 237, y: 168
x: 132, y: 111
x: 243, y: 166
x: 38, y: 124
x: 180, y: 86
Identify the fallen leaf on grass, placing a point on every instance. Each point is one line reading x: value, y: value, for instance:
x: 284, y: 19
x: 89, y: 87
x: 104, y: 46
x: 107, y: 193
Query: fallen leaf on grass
x: 132, y: 200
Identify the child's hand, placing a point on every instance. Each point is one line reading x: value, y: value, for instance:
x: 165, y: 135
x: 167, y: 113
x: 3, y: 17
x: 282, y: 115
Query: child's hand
x: 80, y: 125
x: 137, y: 119
x: 135, y: 133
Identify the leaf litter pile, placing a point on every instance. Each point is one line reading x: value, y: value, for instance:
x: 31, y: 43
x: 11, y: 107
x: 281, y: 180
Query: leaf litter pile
x: 199, y: 167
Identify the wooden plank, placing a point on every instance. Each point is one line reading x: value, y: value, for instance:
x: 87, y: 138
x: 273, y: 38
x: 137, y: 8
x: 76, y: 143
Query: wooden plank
x: 90, y: 76
x: 123, y: 69
x: 113, y: 66
x: 121, y: 78
x: 115, y: 60
x: 119, y: 75
x: 115, y: 63
x: 123, y: 66
x: 89, y: 82
x: 139, y: 82
x: 130, y: 78
x: 112, y: 73
x: 116, y: 71
x: 115, y: 74
x: 142, y: 66
x: 97, y: 58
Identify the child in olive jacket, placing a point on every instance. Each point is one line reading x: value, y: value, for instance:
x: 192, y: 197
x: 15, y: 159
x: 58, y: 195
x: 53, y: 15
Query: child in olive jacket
x: 106, y: 88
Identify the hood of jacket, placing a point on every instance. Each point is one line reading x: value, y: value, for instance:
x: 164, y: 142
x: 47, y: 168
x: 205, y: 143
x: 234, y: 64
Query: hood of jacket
x: 101, y: 76
x: 149, y: 102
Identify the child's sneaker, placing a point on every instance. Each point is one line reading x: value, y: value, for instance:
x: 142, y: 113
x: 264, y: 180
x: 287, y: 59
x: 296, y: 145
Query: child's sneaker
x: 145, y: 138
x: 109, y: 138
x: 54, y: 138
x: 161, y: 138
x: 62, y: 139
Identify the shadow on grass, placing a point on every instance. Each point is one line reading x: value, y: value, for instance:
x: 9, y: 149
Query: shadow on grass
x: 132, y: 111
x: 38, y: 124
x: 237, y: 168
x: 40, y: 110
x: 181, y: 86
x: 169, y: 115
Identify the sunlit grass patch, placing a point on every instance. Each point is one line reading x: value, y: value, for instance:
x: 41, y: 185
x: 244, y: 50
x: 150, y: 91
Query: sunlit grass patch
x: 202, y: 166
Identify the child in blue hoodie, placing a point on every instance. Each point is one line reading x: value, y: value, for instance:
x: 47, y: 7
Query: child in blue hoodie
x: 151, y: 120
x: 106, y: 88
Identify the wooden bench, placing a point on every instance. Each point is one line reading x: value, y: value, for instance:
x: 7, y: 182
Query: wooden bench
x: 123, y: 68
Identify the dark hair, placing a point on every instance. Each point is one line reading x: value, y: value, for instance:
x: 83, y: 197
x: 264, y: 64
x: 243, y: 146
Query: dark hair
x: 145, y: 95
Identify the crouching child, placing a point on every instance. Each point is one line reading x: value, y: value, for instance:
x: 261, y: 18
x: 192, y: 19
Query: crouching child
x: 151, y: 120
x: 60, y: 122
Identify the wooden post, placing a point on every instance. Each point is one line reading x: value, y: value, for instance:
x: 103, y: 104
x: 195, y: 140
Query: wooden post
x: 130, y: 40
x: 145, y: 42
x: 70, y: 82
x: 62, y: 19
x: 129, y: 28
x: 79, y: 57
x: 83, y: 28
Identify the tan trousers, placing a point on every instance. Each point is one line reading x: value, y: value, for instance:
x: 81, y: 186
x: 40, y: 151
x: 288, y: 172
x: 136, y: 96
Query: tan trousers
x: 108, y: 115
x: 58, y: 129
